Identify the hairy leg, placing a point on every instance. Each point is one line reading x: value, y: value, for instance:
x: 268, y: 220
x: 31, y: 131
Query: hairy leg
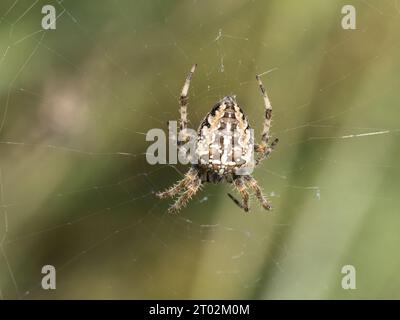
x: 183, y: 99
x: 258, y: 192
x: 190, y: 176
x: 263, y: 152
x: 268, y: 114
x: 264, y: 149
x: 185, y: 196
x: 244, y: 194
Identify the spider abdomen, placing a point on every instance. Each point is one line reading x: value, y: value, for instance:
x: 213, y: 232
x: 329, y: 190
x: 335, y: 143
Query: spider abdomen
x: 225, y: 141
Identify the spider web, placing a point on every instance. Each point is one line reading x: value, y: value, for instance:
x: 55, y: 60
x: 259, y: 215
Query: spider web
x: 76, y: 191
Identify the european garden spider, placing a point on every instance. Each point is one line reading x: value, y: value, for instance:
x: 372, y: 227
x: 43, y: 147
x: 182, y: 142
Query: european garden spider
x: 218, y: 163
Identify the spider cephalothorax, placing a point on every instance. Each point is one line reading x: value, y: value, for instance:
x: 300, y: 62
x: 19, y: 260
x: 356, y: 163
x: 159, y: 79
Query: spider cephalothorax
x: 224, y: 151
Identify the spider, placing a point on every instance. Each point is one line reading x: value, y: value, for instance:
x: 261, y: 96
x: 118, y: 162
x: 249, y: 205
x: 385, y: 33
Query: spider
x: 218, y: 163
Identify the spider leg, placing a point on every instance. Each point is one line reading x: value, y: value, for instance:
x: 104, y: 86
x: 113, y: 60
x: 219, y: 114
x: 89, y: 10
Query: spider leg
x: 263, y: 148
x: 242, y: 189
x: 176, y: 188
x: 183, y: 135
x: 183, y: 99
x: 264, y: 153
x: 268, y: 114
x: 191, y: 188
x: 258, y: 192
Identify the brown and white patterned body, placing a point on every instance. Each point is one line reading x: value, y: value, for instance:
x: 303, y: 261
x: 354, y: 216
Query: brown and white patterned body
x: 225, y: 145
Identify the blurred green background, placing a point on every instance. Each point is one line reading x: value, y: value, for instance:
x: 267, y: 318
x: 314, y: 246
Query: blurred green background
x: 77, y: 192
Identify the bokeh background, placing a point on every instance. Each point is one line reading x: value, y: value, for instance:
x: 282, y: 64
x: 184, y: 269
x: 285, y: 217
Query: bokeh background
x: 77, y: 192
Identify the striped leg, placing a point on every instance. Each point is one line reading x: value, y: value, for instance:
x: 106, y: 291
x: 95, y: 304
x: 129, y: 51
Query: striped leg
x: 263, y: 148
x: 257, y: 190
x: 242, y: 189
x: 183, y: 99
x: 264, y: 152
x: 183, y: 199
x: 190, y: 176
x: 268, y: 114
